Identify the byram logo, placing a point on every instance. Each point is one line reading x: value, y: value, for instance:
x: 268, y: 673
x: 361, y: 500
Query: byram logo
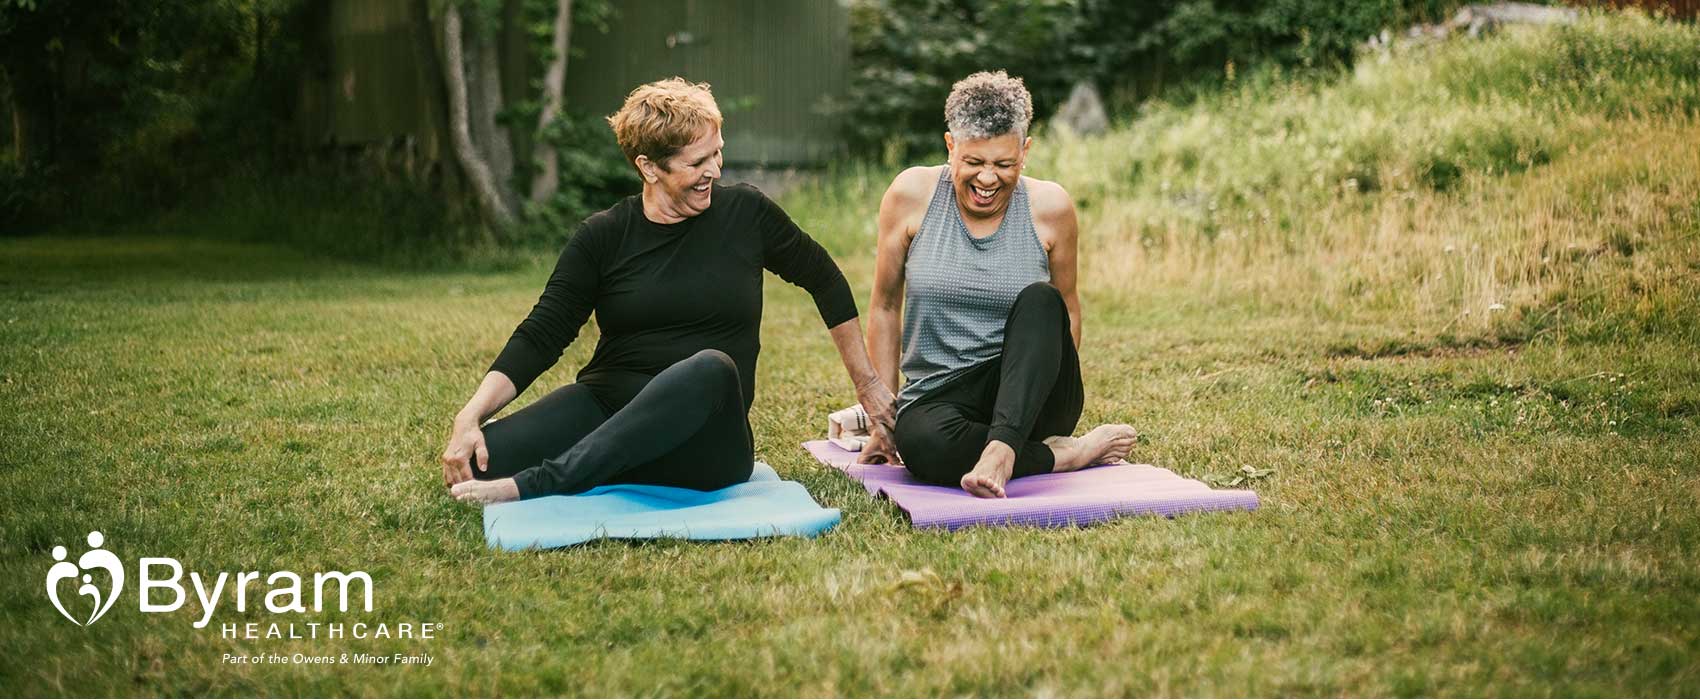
x: 95, y: 558
x: 285, y: 591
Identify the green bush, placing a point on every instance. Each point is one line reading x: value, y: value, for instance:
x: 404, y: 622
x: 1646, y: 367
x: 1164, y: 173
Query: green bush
x: 193, y: 106
x: 594, y: 175
x: 26, y: 198
x: 339, y: 213
x: 593, y: 171
x: 908, y: 52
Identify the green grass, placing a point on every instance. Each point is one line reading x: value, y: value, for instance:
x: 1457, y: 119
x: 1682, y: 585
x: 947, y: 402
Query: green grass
x: 1498, y: 502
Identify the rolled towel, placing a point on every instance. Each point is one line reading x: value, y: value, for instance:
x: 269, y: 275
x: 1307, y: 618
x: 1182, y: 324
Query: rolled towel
x: 848, y: 428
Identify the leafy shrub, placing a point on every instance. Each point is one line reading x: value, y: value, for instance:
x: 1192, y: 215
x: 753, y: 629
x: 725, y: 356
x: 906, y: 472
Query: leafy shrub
x: 594, y: 175
x: 909, y: 52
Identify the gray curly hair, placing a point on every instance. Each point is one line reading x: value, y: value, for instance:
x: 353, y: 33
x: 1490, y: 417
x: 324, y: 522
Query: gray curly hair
x: 988, y: 104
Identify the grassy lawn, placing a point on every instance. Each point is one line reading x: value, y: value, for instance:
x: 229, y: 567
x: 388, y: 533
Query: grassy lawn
x: 1475, y: 381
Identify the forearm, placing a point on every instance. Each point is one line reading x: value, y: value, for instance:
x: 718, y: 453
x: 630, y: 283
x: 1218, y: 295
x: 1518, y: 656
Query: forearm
x: 493, y: 393
x: 872, y: 392
x: 1074, y: 315
x: 883, y: 345
x: 847, y: 337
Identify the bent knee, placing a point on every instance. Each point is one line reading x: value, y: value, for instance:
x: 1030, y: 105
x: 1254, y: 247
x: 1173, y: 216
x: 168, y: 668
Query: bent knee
x: 712, y: 361
x: 711, y: 368
x: 1040, y: 305
x: 1039, y: 291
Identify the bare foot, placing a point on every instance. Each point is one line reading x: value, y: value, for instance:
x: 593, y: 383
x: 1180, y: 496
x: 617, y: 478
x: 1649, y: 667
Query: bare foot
x: 486, y: 492
x: 1104, y: 444
x: 986, y: 480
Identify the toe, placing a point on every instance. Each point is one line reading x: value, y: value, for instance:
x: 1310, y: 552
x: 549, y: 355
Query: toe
x: 977, y: 485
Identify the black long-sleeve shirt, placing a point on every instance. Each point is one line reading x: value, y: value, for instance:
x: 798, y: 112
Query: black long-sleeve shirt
x: 662, y: 292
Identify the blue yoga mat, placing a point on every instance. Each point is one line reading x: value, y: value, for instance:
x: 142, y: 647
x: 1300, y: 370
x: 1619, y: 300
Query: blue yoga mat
x: 764, y: 506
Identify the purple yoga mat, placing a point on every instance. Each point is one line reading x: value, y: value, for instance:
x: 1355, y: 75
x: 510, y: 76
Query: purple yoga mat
x: 1075, y: 498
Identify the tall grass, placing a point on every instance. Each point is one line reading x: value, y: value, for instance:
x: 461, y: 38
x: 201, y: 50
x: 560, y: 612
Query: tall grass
x: 1480, y: 188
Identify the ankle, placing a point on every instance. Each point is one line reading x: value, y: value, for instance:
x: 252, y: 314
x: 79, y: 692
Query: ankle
x: 1006, y: 438
x: 998, y: 452
x: 1066, y: 453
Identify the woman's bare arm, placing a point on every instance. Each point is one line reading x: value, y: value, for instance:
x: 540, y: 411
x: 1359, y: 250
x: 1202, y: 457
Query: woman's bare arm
x: 900, y: 212
x: 899, y: 216
x: 1059, y: 227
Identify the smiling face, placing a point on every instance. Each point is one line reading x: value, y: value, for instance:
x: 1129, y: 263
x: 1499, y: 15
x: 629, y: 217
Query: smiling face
x: 683, y: 185
x: 984, y: 172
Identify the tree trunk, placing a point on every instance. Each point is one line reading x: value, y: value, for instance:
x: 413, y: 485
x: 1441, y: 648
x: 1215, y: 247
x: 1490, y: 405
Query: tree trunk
x: 554, y: 85
x: 18, y: 134
x: 9, y: 99
x: 436, y: 94
x: 484, y: 72
x: 490, y: 200
x: 32, y: 120
x: 259, y: 44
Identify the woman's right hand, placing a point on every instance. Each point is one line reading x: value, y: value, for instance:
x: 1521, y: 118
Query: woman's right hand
x: 466, y: 444
x: 875, y: 398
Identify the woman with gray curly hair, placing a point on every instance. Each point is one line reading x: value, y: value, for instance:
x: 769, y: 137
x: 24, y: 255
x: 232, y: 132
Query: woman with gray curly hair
x: 977, y: 264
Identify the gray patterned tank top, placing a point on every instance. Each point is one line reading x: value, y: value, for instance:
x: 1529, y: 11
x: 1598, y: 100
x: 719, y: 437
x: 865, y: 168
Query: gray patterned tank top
x: 959, y: 289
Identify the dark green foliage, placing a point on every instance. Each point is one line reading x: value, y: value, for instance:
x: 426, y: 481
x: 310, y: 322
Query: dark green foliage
x: 21, y: 194
x: 594, y: 175
x: 172, y: 111
x: 134, y: 104
x: 341, y: 214
x: 909, y: 52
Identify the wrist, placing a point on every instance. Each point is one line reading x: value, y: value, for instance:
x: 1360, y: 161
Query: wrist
x: 867, y: 382
x: 465, y: 420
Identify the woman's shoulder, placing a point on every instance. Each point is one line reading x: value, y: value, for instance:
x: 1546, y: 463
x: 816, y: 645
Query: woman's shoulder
x: 918, y: 181
x: 742, y: 203
x: 1048, y: 200
x: 614, y: 216
x: 742, y: 198
x: 913, y: 188
x: 598, y: 229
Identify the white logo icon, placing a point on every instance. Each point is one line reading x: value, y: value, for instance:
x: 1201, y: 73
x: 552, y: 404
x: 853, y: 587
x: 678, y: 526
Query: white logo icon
x: 95, y: 558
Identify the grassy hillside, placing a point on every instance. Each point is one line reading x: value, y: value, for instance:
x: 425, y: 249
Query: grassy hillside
x: 1449, y: 300
x: 1533, y: 171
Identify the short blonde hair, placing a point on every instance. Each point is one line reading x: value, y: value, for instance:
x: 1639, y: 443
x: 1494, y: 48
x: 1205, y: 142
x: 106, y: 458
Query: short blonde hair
x: 662, y: 117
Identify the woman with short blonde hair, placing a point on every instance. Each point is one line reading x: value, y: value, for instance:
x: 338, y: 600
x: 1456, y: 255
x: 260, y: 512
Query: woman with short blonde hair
x: 674, y: 278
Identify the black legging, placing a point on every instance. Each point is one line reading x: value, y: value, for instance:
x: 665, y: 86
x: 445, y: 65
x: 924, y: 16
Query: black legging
x: 686, y: 427
x: 1030, y: 392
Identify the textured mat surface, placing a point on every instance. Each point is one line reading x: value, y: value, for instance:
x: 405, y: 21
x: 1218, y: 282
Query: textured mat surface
x: 764, y: 506
x: 1046, y: 500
